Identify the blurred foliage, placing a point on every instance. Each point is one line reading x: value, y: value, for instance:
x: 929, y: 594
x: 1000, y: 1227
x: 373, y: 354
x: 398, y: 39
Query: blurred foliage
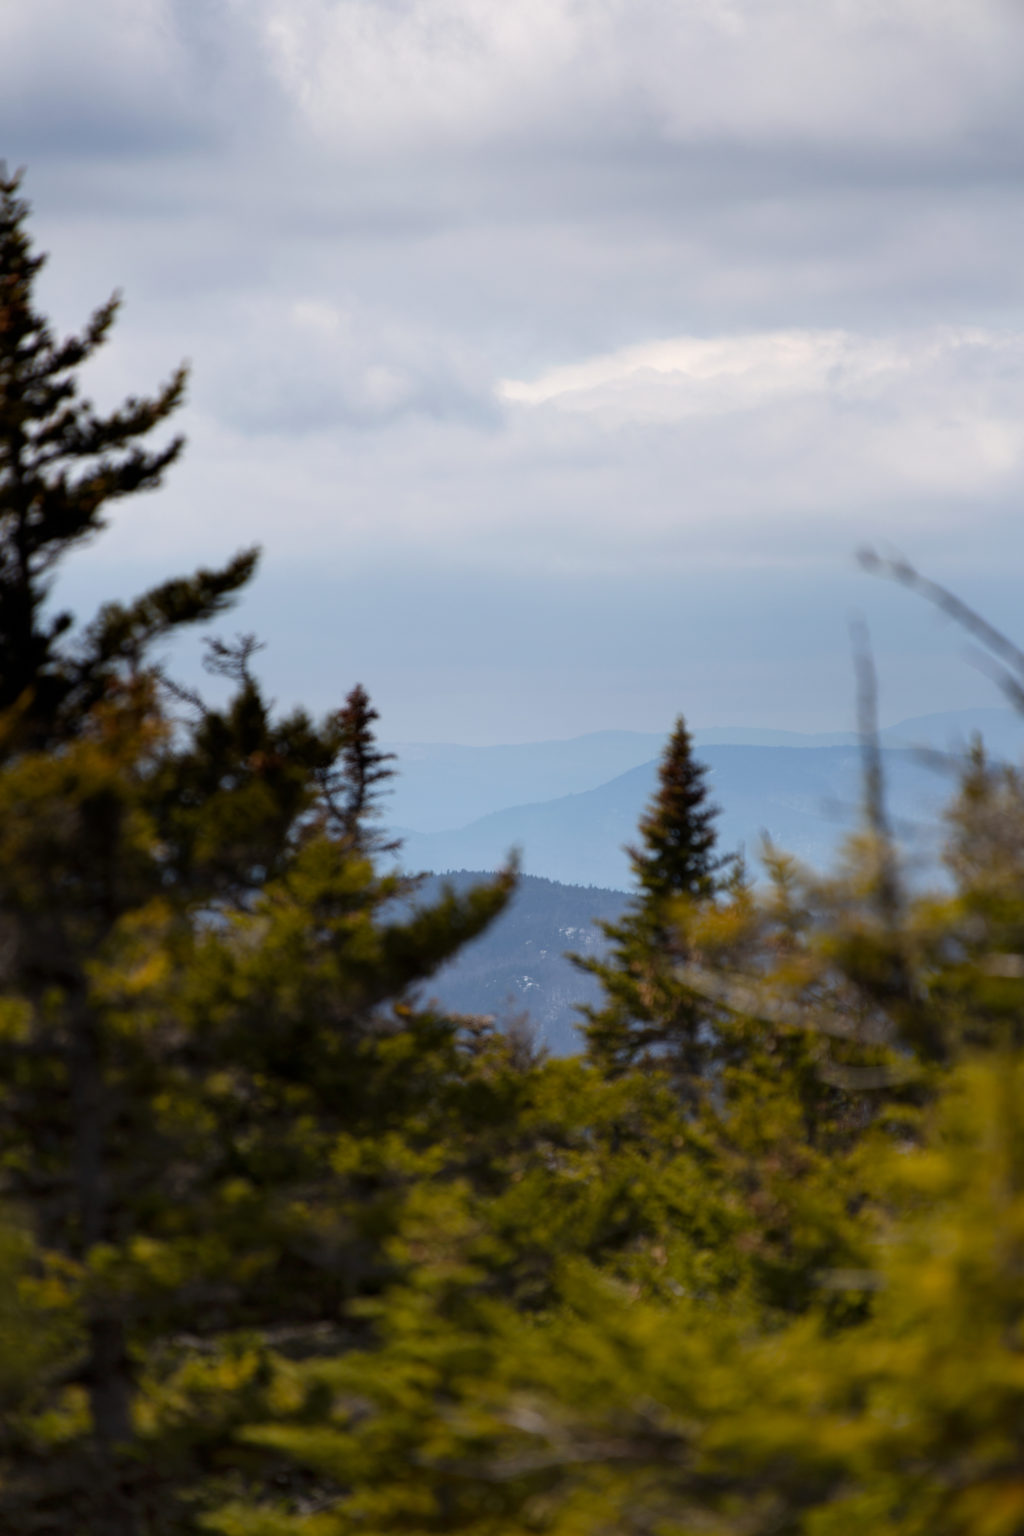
x: 206, y: 992
x: 285, y: 1252
x: 794, y: 1303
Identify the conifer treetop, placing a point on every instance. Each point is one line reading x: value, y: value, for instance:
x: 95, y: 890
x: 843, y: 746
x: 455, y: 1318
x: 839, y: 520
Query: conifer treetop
x: 677, y: 857
x: 61, y: 464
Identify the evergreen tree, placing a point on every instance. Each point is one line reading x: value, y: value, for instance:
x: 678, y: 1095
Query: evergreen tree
x: 61, y: 464
x: 648, y: 1010
x: 352, y: 793
x: 810, y: 1322
x: 202, y: 978
x: 283, y: 1253
x: 677, y: 858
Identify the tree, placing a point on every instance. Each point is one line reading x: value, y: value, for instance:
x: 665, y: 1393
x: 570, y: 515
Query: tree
x: 819, y: 1333
x: 676, y: 870
x: 61, y: 464
x: 678, y: 857
x: 202, y: 977
x: 352, y: 794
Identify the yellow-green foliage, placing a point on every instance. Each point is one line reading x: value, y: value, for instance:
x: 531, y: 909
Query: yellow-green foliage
x: 797, y: 1307
x: 283, y: 1252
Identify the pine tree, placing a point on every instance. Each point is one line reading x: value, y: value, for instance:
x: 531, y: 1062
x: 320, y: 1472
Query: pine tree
x: 353, y: 792
x: 678, y: 857
x: 815, y: 1324
x: 202, y: 980
x: 61, y: 464
x: 647, y: 1009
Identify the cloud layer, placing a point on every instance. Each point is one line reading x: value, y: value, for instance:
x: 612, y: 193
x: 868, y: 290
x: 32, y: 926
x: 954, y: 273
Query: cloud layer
x: 551, y: 293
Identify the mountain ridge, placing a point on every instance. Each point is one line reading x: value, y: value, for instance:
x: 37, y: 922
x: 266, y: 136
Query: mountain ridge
x: 442, y: 787
x: 805, y: 798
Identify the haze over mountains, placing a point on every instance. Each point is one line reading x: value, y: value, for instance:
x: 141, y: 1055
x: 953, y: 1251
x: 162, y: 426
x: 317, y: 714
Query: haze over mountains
x: 569, y: 806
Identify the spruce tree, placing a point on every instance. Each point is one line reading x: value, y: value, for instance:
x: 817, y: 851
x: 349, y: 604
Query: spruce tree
x: 678, y: 856
x: 647, y: 1011
x: 815, y: 1325
x: 203, y: 980
x: 353, y: 792
x: 61, y: 466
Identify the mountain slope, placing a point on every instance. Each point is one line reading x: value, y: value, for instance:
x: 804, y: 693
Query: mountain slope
x: 441, y: 786
x: 805, y: 798
x: 519, y: 965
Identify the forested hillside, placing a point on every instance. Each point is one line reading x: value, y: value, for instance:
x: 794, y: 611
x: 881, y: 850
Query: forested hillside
x: 570, y: 805
x: 287, y: 1249
x: 519, y: 967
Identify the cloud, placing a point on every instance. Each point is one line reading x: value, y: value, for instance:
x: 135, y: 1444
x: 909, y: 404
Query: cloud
x: 866, y: 72
x: 766, y: 451
x: 604, y: 296
x: 383, y: 76
x: 819, y: 420
x: 129, y: 80
x: 310, y: 366
x: 710, y: 375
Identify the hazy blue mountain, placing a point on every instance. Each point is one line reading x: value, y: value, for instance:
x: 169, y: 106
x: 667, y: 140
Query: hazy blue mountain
x: 441, y: 786
x: 805, y: 798
x: 519, y: 966
x: 804, y: 791
x: 741, y: 736
x: 949, y: 730
x: 1001, y: 729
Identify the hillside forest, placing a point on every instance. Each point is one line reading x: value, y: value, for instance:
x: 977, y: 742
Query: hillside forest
x: 288, y: 1250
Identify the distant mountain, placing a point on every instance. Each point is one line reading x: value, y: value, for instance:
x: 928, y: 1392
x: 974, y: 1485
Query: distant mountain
x: 949, y: 730
x: 805, y: 798
x: 441, y: 786
x: 518, y: 967
x: 805, y: 792
x: 1002, y: 731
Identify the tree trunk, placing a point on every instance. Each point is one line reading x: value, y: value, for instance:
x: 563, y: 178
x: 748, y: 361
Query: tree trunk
x: 109, y: 1367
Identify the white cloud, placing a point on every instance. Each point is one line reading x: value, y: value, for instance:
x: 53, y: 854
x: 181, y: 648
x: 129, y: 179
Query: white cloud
x: 753, y: 451
x: 941, y: 411
x: 710, y: 374
x: 405, y: 75
x: 861, y: 71
x: 359, y: 217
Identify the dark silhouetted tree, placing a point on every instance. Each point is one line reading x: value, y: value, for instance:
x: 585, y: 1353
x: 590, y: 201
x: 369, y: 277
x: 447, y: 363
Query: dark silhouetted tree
x: 647, y: 1008
x: 61, y: 466
x: 201, y: 980
x: 352, y: 793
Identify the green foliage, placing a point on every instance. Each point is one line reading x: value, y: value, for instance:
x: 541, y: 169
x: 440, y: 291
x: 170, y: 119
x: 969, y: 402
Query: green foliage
x: 646, y: 1009
x: 790, y: 1304
x: 206, y: 987
x: 60, y: 465
x: 677, y: 830
x: 285, y: 1252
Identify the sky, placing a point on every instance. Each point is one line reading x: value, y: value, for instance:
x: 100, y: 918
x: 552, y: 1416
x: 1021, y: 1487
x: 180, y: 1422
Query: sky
x: 559, y: 354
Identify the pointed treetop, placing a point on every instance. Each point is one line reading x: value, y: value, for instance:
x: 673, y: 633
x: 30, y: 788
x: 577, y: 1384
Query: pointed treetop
x: 677, y: 856
x: 61, y: 464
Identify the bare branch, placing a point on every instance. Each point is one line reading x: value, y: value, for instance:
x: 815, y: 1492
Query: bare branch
x: 1010, y: 677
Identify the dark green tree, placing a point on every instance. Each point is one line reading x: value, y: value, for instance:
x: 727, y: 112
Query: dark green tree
x: 648, y: 1011
x: 202, y: 978
x: 677, y: 856
x: 353, y: 792
x: 61, y: 465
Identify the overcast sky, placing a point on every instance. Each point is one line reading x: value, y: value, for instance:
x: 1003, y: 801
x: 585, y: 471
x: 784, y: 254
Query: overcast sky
x: 559, y: 353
